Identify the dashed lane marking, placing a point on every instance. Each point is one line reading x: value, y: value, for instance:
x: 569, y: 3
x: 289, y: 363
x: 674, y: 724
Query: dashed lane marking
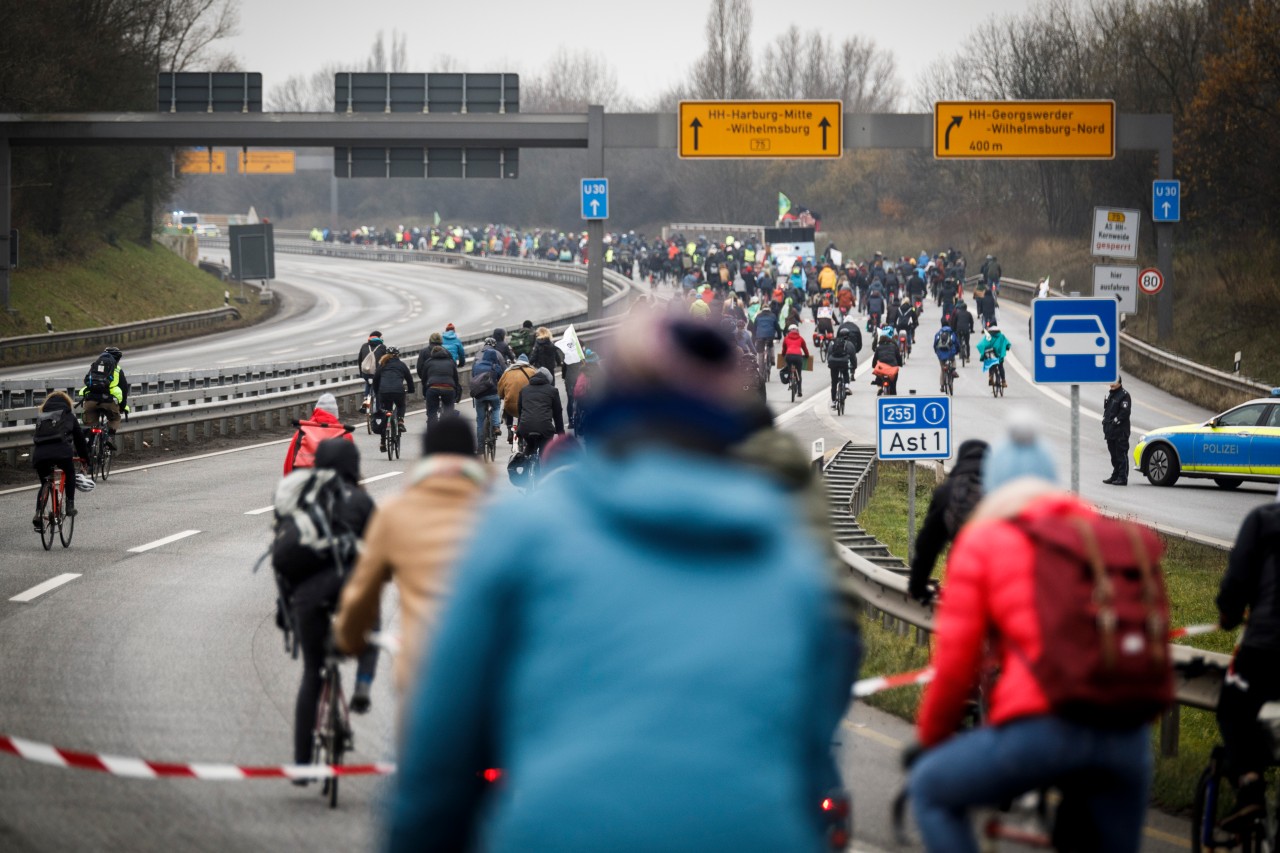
x: 376, y: 477
x: 40, y: 589
x: 165, y: 541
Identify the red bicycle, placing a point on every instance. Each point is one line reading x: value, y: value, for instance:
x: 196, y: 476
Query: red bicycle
x: 53, y: 510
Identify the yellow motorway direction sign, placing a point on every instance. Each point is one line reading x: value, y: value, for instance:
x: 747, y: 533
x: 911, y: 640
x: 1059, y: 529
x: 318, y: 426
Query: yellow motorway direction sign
x: 761, y: 129
x: 1024, y: 130
x: 267, y: 163
x: 202, y: 162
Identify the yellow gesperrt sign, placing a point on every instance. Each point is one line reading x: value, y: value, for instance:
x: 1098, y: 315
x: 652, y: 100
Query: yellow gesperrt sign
x: 1024, y: 130
x: 756, y: 130
x: 202, y: 162
x: 267, y: 163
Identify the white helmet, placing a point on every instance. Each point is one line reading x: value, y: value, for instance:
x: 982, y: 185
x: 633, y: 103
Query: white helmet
x: 84, y: 483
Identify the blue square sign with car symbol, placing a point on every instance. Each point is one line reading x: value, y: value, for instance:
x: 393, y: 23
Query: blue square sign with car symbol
x: 1076, y: 341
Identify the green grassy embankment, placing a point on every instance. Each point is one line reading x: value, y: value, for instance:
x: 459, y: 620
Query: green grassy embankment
x: 112, y: 285
x: 1192, y: 573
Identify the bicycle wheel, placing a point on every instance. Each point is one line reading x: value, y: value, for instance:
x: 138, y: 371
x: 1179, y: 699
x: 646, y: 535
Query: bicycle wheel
x: 95, y: 461
x: 107, y: 455
x: 338, y: 726
x: 822, y: 352
x: 368, y: 421
x: 50, y: 518
x: 389, y: 432
x: 793, y: 386
x: 1209, y: 807
x: 66, y: 523
x: 841, y: 393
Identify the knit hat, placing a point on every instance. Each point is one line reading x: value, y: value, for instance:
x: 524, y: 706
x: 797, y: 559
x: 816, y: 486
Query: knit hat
x: 450, y: 434
x: 436, y: 338
x: 328, y: 403
x: 1021, y: 454
x: 527, y: 324
x: 449, y: 328
x: 499, y: 334
x: 523, y: 359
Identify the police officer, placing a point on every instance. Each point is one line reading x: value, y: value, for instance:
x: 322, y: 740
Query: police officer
x: 1115, y: 429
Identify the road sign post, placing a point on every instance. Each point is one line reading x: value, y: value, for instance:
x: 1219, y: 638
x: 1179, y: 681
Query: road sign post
x: 1166, y: 201
x: 1024, y: 130
x: 910, y: 429
x: 761, y: 130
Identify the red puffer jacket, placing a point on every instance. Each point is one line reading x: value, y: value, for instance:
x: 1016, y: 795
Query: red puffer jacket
x: 793, y: 344
x: 990, y: 592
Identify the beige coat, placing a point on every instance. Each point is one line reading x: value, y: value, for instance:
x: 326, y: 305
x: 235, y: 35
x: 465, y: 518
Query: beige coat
x: 414, y: 540
x: 511, y: 383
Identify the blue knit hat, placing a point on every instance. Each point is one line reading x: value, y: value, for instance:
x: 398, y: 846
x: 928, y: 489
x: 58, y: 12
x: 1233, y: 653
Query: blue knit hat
x: 1021, y: 454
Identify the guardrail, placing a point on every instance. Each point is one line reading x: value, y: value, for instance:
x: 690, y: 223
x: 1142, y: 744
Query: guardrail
x: 1204, y: 385
x: 61, y: 344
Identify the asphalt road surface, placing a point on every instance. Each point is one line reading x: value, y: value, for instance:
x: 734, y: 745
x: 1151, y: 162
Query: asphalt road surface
x: 171, y: 653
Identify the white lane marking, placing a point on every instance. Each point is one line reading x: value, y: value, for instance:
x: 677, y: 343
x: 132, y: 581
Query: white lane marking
x: 165, y: 541
x: 322, y: 343
x: 40, y: 589
x: 795, y: 411
x: 260, y: 510
x: 282, y: 351
x: 376, y: 477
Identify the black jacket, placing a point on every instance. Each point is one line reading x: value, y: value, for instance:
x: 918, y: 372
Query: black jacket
x: 962, y: 321
x: 1115, y: 414
x: 73, y: 441
x: 546, y: 354
x: 953, y: 501
x: 987, y: 305
x: 886, y: 353
x: 393, y: 377
x: 540, y: 408
x: 437, y: 367
x: 380, y: 349
x: 1253, y: 580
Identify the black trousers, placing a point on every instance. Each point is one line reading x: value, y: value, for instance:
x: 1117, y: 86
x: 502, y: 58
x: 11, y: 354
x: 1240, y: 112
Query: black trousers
x: 1253, y: 681
x: 836, y: 371
x: 439, y: 401
x: 1119, y: 448
x: 46, y: 467
x: 314, y: 601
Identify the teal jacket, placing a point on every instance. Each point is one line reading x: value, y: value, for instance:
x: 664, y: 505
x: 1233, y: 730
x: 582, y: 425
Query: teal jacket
x: 999, y: 345
x: 651, y: 664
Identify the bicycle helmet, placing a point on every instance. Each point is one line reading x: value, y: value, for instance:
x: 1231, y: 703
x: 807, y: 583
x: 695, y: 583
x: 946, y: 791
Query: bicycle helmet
x: 490, y: 341
x: 393, y: 351
x: 84, y: 483
x: 844, y: 332
x: 114, y: 352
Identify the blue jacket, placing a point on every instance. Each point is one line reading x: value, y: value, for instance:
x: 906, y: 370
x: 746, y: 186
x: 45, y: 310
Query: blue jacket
x: 453, y: 344
x: 766, y: 326
x: 948, y: 352
x: 651, y: 667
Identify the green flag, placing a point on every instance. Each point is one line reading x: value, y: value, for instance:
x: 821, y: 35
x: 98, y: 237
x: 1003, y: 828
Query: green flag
x: 784, y: 204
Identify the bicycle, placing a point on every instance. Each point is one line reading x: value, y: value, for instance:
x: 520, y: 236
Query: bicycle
x: 948, y: 385
x: 100, y: 450
x: 333, y: 735
x: 53, y: 510
x: 842, y: 391
x: 1210, y: 807
x: 766, y: 357
x: 391, y: 433
x: 904, y: 343
x: 995, y: 377
x: 793, y: 381
x: 964, y: 348
x: 489, y: 449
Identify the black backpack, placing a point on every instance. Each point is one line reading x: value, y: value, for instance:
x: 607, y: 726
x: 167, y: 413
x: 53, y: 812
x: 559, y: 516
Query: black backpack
x: 482, y: 384
x: 308, y: 538
x: 100, y: 374
x: 51, y: 427
x: 946, y: 340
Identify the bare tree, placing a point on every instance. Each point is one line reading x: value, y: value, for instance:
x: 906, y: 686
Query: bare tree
x: 855, y: 71
x: 313, y: 93
x: 724, y: 71
x: 176, y: 33
x: 571, y: 82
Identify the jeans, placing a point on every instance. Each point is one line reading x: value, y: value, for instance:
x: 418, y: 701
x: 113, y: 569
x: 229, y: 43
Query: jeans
x: 439, y: 401
x: 492, y: 407
x: 993, y: 764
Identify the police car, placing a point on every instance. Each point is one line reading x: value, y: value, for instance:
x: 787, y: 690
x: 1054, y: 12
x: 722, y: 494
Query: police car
x: 1238, y: 445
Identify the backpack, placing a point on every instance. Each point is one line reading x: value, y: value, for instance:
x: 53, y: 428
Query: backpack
x: 482, y: 384
x: 369, y: 364
x: 521, y: 341
x: 946, y: 341
x: 100, y: 374
x: 306, y: 540
x: 582, y: 387
x: 310, y: 434
x: 1104, y: 620
x: 51, y: 428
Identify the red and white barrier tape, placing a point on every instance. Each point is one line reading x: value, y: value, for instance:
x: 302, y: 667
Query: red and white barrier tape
x: 867, y: 686
x: 1192, y: 631
x: 137, y: 768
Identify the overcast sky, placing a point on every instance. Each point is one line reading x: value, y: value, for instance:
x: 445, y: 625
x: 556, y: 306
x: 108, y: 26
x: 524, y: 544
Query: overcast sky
x: 649, y: 43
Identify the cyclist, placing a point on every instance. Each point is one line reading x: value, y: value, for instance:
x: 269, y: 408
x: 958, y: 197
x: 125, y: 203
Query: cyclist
x: 59, y: 440
x: 962, y: 323
x: 392, y: 381
x: 105, y: 389
x: 485, y: 372
x: 540, y: 411
x: 993, y: 347
x: 886, y: 353
x: 767, y: 331
x: 991, y: 599
x: 323, y: 424
x: 510, y: 384
x: 441, y: 387
x: 795, y: 351
x: 1251, y: 582
x: 451, y: 342
x: 843, y: 358
x: 950, y: 507
x: 370, y: 356
x: 875, y: 305
x: 907, y: 320
x: 945, y: 347
x: 824, y: 320
x: 985, y: 300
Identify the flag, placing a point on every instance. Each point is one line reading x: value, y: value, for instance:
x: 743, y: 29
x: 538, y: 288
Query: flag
x: 837, y: 258
x: 784, y: 204
x: 436, y: 219
x: 570, y: 346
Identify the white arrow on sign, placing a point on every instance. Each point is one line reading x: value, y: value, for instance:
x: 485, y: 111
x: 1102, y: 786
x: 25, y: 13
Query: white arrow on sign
x: 595, y: 207
x: 1165, y: 206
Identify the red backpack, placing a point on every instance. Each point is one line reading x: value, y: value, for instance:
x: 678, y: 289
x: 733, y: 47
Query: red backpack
x: 309, y: 436
x: 1104, y: 620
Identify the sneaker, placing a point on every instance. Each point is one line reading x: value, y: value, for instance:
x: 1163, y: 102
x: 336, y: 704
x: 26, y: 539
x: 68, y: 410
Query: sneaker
x: 38, y: 524
x: 382, y: 447
x: 833, y: 404
x: 1004, y: 384
x: 71, y: 512
x: 360, y: 701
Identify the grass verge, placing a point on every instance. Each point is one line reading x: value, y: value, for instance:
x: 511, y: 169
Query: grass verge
x: 1192, y: 574
x: 113, y: 284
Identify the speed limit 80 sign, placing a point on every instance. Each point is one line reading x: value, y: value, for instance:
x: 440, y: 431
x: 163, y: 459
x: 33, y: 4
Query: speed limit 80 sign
x: 1150, y: 281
